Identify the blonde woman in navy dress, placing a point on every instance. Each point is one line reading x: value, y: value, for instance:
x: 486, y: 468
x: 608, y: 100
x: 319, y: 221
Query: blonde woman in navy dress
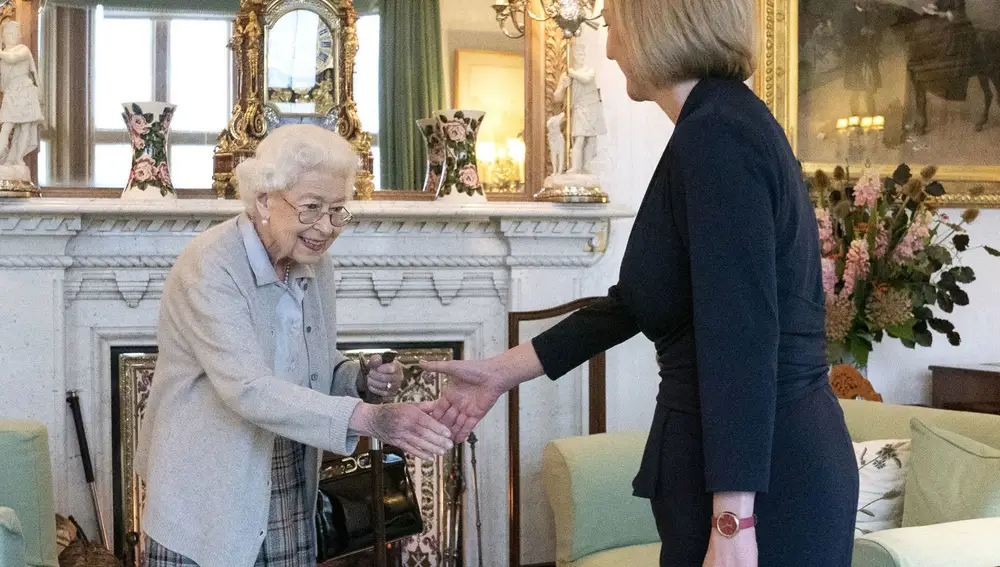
x: 748, y: 460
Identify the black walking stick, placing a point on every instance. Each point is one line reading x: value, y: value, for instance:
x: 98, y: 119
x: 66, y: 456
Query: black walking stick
x: 375, y: 454
x: 88, y: 468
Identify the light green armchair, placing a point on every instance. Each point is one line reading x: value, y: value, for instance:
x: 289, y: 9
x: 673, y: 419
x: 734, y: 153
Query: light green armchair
x: 599, y: 523
x: 27, y: 512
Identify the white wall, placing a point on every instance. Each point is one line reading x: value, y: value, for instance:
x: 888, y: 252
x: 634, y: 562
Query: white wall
x: 637, y: 134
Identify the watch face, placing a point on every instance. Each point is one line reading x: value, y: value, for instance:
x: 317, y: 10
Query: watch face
x: 727, y: 525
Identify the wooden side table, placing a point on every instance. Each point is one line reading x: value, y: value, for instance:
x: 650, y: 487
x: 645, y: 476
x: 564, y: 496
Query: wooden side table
x: 974, y: 387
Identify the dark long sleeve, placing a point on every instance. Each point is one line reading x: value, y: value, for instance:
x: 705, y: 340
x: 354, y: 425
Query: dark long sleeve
x: 724, y: 206
x: 585, y: 333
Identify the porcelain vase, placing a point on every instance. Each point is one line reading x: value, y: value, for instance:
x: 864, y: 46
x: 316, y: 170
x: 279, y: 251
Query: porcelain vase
x: 460, y: 181
x: 434, y: 139
x: 148, y: 125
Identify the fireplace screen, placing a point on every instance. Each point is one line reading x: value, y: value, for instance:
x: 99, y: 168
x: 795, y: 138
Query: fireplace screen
x: 438, y: 483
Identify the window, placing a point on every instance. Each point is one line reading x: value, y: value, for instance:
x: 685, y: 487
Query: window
x: 184, y: 61
x: 366, y: 82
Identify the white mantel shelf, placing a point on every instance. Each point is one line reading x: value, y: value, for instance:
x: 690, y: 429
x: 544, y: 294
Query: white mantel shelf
x: 81, y: 276
x: 361, y: 209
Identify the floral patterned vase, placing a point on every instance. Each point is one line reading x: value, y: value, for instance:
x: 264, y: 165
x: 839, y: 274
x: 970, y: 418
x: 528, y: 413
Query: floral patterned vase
x: 434, y: 137
x: 148, y: 125
x: 461, y: 172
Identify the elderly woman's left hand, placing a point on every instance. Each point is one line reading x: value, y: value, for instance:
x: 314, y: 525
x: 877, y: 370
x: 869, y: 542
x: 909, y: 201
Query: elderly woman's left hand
x: 383, y: 379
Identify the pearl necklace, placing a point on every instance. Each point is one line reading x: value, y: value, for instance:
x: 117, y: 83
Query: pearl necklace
x: 288, y: 270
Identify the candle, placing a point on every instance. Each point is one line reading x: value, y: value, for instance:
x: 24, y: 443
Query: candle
x: 879, y: 122
x: 841, y: 123
x: 866, y: 122
x: 853, y: 121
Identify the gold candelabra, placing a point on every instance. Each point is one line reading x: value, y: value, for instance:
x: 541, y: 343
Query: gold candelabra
x: 569, y: 15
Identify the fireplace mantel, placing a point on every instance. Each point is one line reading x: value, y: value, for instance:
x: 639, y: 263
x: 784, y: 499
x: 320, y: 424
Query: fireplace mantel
x: 80, y: 276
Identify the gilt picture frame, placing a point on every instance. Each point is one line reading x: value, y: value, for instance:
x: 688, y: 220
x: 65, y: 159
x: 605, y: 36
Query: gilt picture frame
x: 825, y: 66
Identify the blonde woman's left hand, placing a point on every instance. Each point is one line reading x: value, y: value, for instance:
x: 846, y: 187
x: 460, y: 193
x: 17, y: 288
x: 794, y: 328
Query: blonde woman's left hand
x: 741, y: 551
x: 383, y: 380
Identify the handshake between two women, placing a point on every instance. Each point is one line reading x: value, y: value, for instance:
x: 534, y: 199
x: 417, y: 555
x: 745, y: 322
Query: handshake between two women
x: 472, y: 389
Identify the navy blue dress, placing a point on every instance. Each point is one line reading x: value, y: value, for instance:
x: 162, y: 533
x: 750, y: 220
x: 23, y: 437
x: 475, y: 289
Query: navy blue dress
x: 722, y: 273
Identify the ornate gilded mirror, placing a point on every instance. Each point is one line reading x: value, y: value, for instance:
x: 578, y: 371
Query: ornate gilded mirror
x: 294, y: 62
x: 453, y: 54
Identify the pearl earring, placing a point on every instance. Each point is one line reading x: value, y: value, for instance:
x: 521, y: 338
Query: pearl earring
x: 263, y: 220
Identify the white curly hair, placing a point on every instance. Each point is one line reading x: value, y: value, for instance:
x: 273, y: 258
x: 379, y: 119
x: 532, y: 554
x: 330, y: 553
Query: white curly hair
x: 289, y: 151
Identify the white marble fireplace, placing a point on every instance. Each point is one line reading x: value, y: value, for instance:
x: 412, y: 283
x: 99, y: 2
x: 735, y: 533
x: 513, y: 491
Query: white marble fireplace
x: 80, y: 276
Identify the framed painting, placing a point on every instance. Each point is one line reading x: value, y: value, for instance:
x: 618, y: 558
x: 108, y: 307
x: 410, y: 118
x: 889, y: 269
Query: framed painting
x: 888, y: 82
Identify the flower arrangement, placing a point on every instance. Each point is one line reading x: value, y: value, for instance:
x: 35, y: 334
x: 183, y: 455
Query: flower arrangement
x: 148, y: 134
x: 889, y: 257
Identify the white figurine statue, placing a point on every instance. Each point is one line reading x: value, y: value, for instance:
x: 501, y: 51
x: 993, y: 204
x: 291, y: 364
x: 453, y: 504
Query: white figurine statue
x: 557, y: 142
x: 587, y: 115
x: 20, y: 111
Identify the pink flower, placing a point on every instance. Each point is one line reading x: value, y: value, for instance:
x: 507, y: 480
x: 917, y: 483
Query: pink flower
x: 455, y: 130
x: 144, y: 168
x: 163, y: 172
x: 137, y: 142
x: 867, y: 189
x: 469, y: 176
x: 137, y: 124
x: 915, y: 238
x: 856, y: 267
x: 436, y: 155
x: 829, y: 275
x: 433, y: 181
x: 827, y: 243
x: 881, y: 242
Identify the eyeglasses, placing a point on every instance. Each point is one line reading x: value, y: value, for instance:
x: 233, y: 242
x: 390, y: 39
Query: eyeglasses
x: 339, y: 216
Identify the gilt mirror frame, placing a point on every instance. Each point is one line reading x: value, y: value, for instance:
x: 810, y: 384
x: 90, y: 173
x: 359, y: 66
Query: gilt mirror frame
x: 776, y: 82
x: 248, y: 124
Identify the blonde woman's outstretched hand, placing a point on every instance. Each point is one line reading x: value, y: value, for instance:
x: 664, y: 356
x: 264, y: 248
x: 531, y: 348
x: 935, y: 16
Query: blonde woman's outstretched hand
x: 473, y: 388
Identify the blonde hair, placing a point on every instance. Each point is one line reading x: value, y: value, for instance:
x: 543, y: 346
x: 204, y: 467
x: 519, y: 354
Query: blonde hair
x: 290, y: 151
x: 668, y: 41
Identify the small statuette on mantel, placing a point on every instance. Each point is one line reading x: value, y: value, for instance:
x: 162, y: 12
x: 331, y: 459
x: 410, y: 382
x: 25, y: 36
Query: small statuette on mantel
x: 20, y: 113
x: 578, y: 183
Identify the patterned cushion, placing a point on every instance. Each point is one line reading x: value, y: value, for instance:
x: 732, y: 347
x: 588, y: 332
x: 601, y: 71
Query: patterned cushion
x: 882, y: 466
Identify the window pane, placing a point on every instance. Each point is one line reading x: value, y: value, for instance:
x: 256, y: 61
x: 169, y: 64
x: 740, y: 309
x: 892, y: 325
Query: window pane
x: 111, y: 164
x: 366, y: 73
x: 191, y: 166
x: 123, y: 67
x: 43, y: 163
x: 199, y: 79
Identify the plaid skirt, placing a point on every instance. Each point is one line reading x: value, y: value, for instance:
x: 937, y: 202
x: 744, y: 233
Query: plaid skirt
x: 290, y: 538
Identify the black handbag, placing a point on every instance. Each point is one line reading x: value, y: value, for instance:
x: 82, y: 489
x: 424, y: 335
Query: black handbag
x: 344, y: 505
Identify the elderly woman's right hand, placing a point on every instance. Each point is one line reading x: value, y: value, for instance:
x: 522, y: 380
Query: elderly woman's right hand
x: 405, y: 425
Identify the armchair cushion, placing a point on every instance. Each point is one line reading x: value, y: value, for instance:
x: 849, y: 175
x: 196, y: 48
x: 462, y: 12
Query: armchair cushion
x: 969, y: 543
x: 11, y: 539
x: 591, y: 495
x: 951, y: 478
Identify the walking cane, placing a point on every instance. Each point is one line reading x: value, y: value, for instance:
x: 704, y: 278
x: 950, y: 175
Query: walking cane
x: 375, y: 455
x: 88, y: 468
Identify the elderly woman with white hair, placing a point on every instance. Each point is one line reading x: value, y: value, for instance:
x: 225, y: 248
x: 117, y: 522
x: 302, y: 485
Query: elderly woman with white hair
x: 249, y: 383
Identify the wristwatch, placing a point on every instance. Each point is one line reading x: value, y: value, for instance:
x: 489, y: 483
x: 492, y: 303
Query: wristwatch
x: 728, y: 524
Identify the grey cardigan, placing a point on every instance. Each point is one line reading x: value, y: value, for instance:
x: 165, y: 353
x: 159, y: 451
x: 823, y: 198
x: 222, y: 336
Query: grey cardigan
x: 215, y: 407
